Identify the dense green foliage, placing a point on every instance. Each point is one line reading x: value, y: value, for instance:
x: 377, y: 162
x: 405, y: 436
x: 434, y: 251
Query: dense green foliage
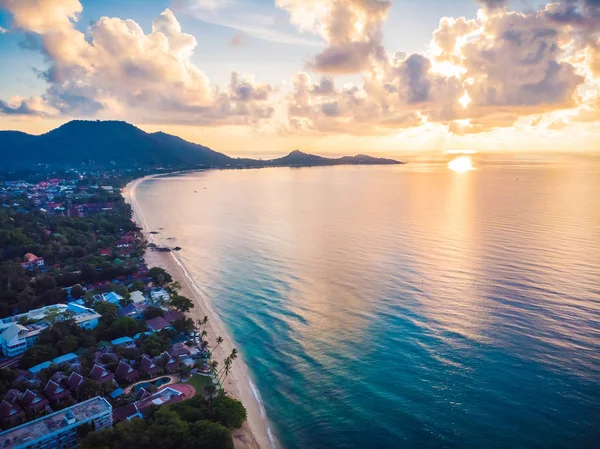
x: 190, y: 424
x: 70, y: 248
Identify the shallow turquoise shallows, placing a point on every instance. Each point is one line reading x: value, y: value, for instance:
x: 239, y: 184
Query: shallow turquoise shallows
x: 406, y: 306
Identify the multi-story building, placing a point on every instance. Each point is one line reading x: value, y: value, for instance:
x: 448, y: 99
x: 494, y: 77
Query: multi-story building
x: 15, y: 337
x: 59, y: 430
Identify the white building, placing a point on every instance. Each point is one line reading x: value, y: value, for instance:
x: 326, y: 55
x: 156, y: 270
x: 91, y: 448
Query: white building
x: 15, y: 338
x: 160, y: 298
x: 59, y: 429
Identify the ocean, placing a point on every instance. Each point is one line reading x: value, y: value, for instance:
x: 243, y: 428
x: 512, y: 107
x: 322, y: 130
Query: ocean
x: 403, y: 306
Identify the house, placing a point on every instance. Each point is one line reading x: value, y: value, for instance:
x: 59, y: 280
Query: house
x: 167, y: 395
x: 173, y: 316
x: 157, y: 324
x: 33, y: 402
x: 125, y: 372
x: 129, y: 411
x: 135, y: 311
x: 179, y: 350
x: 159, y: 297
x: 74, y: 381
x: 148, y: 367
x: 138, y: 297
x: 70, y: 358
x: 142, y: 394
x: 111, y: 297
x: 10, y: 412
x: 31, y: 262
x: 171, y: 364
x: 118, y: 392
x: 55, y: 392
x: 101, y: 374
x: 122, y: 341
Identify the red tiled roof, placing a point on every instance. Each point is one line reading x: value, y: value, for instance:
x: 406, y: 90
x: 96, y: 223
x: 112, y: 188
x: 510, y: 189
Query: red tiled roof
x: 75, y: 379
x: 157, y: 323
x: 173, y: 316
x: 52, y: 388
x: 7, y: 410
x: 179, y: 349
x: 122, y: 413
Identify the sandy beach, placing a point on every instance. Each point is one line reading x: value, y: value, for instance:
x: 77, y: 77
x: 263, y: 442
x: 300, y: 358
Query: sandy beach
x: 255, y: 433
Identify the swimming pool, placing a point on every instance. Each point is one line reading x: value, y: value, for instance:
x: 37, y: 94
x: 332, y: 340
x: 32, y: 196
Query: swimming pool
x: 157, y: 383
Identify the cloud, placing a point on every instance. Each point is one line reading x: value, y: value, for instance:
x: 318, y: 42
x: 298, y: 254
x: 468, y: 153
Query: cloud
x: 247, y: 17
x: 493, y: 4
x: 117, y: 70
x: 351, y: 29
x: 33, y: 106
x: 481, y: 74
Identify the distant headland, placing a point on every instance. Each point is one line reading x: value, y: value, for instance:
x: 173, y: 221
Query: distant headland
x: 115, y: 144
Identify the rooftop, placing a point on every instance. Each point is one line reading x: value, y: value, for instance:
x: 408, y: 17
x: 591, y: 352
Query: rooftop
x: 49, y: 424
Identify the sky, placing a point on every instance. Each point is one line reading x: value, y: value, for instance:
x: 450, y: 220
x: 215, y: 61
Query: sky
x: 264, y: 77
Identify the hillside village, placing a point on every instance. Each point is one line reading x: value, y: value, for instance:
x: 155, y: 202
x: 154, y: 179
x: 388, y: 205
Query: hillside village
x: 85, y: 321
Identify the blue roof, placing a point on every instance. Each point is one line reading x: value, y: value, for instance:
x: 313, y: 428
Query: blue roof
x: 41, y: 366
x: 58, y: 360
x: 136, y: 336
x: 116, y: 393
x: 122, y: 340
x: 129, y: 308
x: 113, y: 297
x: 65, y: 358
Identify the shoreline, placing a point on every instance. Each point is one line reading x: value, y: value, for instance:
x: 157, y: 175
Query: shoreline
x: 255, y: 433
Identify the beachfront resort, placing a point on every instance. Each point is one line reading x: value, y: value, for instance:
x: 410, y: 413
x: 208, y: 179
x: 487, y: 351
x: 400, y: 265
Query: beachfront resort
x: 93, y: 336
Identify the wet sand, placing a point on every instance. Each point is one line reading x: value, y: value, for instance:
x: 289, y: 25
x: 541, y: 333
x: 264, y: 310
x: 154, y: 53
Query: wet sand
x: 255, y: 432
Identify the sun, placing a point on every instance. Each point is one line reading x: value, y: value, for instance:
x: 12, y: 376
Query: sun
x: 461, y: 164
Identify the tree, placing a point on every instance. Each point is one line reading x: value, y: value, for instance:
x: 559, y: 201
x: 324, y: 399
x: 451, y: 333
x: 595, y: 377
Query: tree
x: 219, y: 341
x: 152, y: 312
x: 77, y: 291
x: 182, y: 303
x: 184, y: 325
x: 124, y: 326
x: 209, y: 435
x: 52, y: 314
x: 159, y: 275
x: 89, y: 389
x: 229, y: 412
x: 37, y: 354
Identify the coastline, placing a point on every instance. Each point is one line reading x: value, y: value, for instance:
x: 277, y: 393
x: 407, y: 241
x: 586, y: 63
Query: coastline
x: 255, y: 433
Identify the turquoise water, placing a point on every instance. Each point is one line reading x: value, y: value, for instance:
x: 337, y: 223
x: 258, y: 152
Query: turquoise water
x: 157, y: 383
x: 407, y: 306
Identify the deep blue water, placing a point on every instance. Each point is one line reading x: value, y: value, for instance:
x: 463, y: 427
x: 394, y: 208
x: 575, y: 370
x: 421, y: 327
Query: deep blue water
x: 407, y: 306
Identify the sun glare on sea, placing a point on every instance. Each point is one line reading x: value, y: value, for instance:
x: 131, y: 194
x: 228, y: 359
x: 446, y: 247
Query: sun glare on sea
x: 461, y: 164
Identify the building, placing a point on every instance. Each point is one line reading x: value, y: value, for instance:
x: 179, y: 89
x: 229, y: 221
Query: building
x: 138, y: 297
x: 160, y: 297
x: 31, y: 262
x: 15, y: 338
x: 148, y: 367
x: 111, y: 297
x: 60, y: 429
x: 157, y: 324
x: 125, y: 372
x: 101, y: 374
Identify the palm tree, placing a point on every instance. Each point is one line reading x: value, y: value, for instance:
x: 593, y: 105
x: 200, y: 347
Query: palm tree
x: 203, y: 333
x: 225, y: 369
x: 219, y: 341
x: 214, y: 364
x: 234, y: 354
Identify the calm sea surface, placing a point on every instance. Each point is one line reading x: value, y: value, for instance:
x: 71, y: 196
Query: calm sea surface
x: 406, y: 306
